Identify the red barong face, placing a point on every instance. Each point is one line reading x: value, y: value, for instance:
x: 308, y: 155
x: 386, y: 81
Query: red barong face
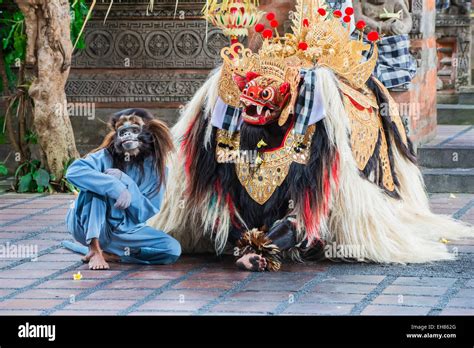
x: 263, y: 98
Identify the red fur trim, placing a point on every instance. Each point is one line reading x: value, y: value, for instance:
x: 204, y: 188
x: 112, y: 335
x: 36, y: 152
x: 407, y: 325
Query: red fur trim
x: 326, y: 192
x: 315, y: 212
x: 311, y: 218
x: 218, y: 191
x: 335, y: 170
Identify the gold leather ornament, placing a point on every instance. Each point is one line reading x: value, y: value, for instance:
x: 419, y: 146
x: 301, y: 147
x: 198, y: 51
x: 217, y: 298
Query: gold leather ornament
x: 261, y: 180
x: 387, y: 176
x: 366, y: 128
x: 364, y: 132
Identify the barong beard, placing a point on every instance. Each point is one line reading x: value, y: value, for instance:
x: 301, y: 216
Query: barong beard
x: 271, y: 134
x: 137, y: 135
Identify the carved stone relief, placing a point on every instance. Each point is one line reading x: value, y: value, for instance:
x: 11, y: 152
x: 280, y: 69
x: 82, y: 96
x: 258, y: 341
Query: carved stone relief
x: 140, y: 87
x: 453, y: 34
x: 150, y: 44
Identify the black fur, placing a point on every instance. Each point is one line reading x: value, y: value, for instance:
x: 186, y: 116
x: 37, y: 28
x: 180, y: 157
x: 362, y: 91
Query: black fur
x: 390, y: 126
x: 291, y: 192
x: 272, y: 134
x: 203, y: 172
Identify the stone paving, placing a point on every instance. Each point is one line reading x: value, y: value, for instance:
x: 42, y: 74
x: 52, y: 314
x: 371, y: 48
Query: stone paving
x: 453, y: 136
x: 207, y: 285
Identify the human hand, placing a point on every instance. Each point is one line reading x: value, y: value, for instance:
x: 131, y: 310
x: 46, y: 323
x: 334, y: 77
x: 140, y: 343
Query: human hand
x: 399, y: 28
x: 124, y: 200
x: 387, y: 26
x: 114, y: 172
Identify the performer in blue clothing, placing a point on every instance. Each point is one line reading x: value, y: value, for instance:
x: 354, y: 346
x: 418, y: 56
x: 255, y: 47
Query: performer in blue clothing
x: 121, y: 186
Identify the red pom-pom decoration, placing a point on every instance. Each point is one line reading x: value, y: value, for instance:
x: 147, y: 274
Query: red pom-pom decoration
x: 349, y: 11
x: 259, y: 28
x: 270, y: 16
x: 337, y: 14
x: 303, y: 46
x: 274, y: 24
x: 347, y: 19
x: 285, y: 88
x: 373, y: 36
x: 306, y: 22
x: 322, y: 11
x: 267, y: 34
x: 360, y: 25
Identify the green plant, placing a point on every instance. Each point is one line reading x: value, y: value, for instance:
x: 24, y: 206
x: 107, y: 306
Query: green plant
x: 79, y: 11
x: 3, y: 169
x: 13, y: 44
x: 64, y: 185
x: 13, y: 37
x: 31, y: 177
x: 31, y: 137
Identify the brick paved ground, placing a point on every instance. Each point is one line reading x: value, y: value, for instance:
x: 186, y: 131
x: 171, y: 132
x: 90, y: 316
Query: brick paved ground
x: 208, y: 286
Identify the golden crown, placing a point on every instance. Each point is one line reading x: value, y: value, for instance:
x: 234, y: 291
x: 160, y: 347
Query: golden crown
x: 320, y: 37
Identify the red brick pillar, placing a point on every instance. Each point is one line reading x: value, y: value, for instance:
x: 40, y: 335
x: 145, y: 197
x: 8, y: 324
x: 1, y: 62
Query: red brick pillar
x: 418, y: 105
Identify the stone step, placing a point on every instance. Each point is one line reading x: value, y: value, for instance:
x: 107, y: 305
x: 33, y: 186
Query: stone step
x: 462, y: 114
x: 449, y: 180
x: 446, y: 156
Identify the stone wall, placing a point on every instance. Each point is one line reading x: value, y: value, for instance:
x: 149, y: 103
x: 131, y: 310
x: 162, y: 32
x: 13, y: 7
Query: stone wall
x: 155, y: 61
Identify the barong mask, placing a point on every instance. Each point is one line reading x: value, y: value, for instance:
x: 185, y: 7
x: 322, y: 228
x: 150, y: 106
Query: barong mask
x: 266, y: 84
x: 264, y: 98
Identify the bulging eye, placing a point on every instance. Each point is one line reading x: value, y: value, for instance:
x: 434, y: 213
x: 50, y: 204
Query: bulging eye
x: 267, y: 93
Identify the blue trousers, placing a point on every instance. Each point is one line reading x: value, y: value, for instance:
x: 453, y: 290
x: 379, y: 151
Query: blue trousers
x: 89, y: 218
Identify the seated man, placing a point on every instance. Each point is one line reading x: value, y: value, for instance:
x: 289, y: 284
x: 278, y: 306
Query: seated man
x: 121, y: 186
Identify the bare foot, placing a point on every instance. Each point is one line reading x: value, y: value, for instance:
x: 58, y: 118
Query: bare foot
x: 252, y: 262
x: 96, y: 260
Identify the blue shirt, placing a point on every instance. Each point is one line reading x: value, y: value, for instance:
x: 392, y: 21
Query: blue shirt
x: 88, y: 175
